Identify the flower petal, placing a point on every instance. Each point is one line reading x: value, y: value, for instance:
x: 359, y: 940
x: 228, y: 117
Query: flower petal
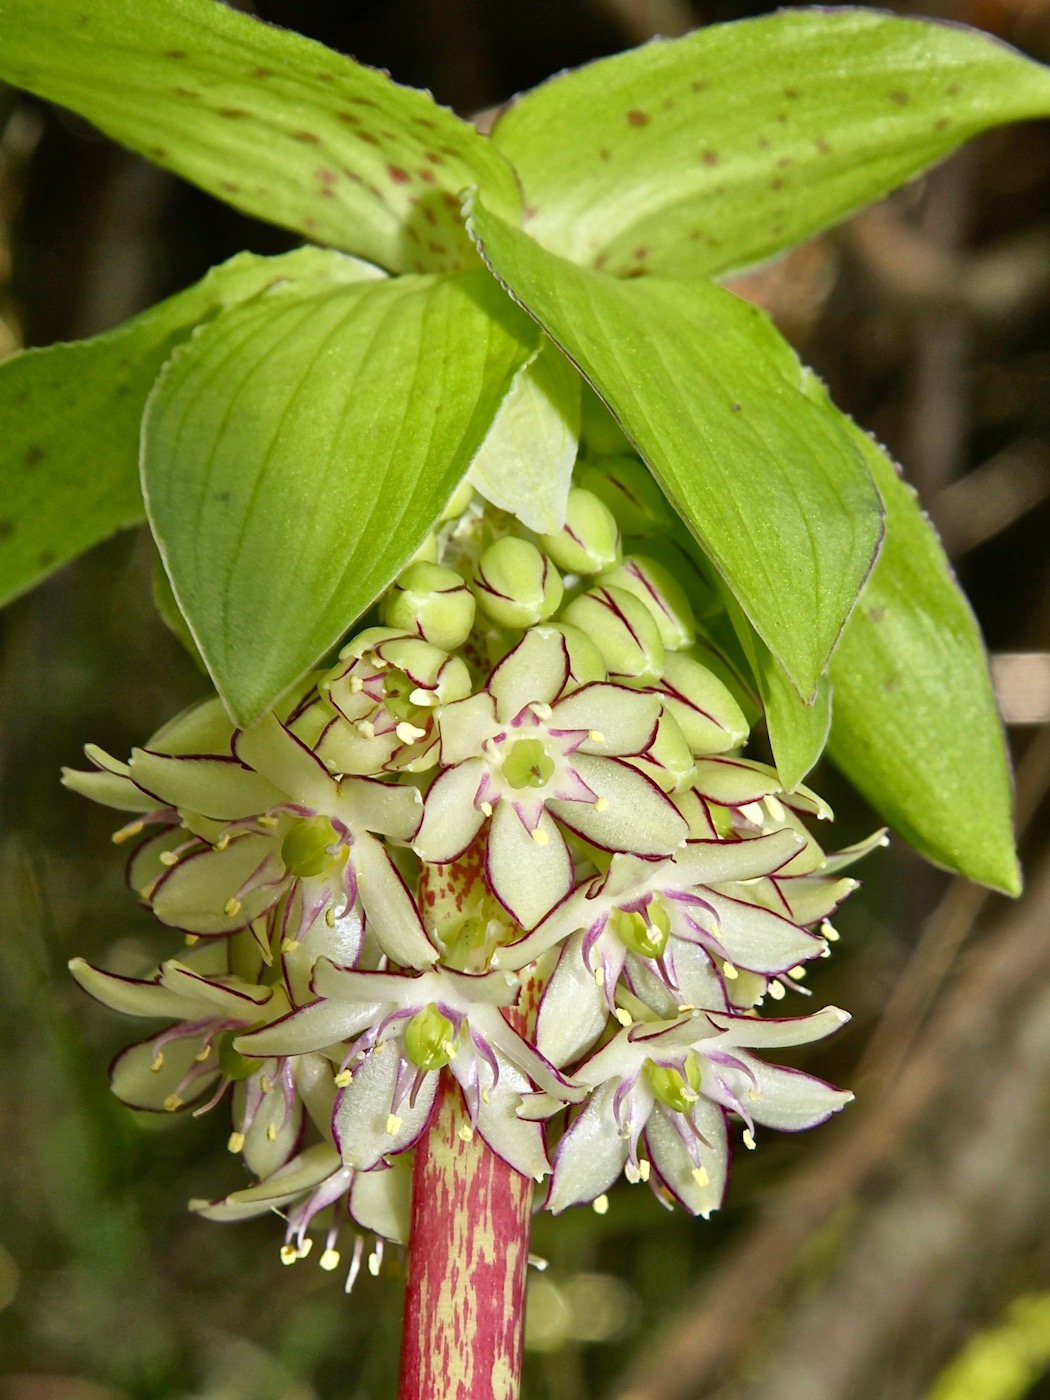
x: 573, y: 1012
x: 242, y: 1001
x: 532, y: 673
x: 450, y: 819
x: 137, y: 1083
x: 591, y: 1154
x: 517, y: 1141
x: 275, y: 1128
x: 196, y: 893
x: 771, y: 1033
x: 712, y: 862
x: 391, y: 809
x: 132, y: 996
x: 631, y: 813
x: 365, y: 1128
x: 759, y: 940
x: 777, y: 1097
x: 220, y: 788
x: 624, y: 719
x: 528, y: 874
x: 381, y: 1200
x: 699, y: 1186
x: 465, y: 725
x: 391, y: 914
x: 319, y: 1026
x: 278, y: 755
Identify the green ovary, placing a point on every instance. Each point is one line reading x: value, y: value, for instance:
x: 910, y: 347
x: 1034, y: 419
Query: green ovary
x: 428, y: 1039
x: 677, y: 1091
x: 527, y: 764
x: 646, y: 937
x: 305, y: 849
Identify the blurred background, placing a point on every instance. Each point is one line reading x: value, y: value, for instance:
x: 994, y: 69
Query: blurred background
x: 901, y: 1251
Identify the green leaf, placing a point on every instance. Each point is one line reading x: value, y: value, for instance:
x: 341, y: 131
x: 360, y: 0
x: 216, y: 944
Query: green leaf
x: 525, y: 463
x: 916, y: 727
x: 297, y: 451
x: 69, y: 460
x: 797, y: 731
x: 711, y: 152
x: 274, y: 124
x: 768, y: 480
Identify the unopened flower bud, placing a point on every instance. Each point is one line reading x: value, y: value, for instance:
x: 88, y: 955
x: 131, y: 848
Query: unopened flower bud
x: 458, y: 501
x: 661, y: 593
x: 589, y: 541
x: 585, y: 660
x: 434, y: 602
x: 707, y: 713
x: 623, y: 630
x: 627, y: 487
x: 668, y: 759
x: 429, y: 1039
x: 516, y: 584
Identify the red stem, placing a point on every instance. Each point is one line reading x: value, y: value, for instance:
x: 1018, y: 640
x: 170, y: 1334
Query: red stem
x: 467, y: 1257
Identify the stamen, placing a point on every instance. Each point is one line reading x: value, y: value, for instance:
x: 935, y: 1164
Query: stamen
x: 701, y: 1177
x: 329, y: 1260
x: 777, y: 991
x: 749, y: 1140
x: 235, y: 1142
x: 329, y: 917
x: 596, y: 736
x: 305, y: 1245
x: 828, y: 931
x: 730, y: 971
x: 600, y: 1205
x: 541, y: 709
x: 289, y: 945
x: 601, y: 804
x: 366, y: 728
x: 356, y: 685
x: 409, y: 733
x: 774, y: 807
x: 289, y: 1254
x: 797, y: 973
x: 168, y: 858
x: 203, y: 1054
x: 466, y: 1133
x: 231, y: 908
x: 223, y: 841
x: 375, y: 1259
x: 271, y: 1132
x: 643, y: 1169
x: 486, y: 807
x: 624, y: 1017
x: 343, y: 1078
x: 266, y: 821
x: 393, y: 1124
x: 540, y: 836
x: 158, y: 1062
x: 171, y: 1103
x: 599, y: 975
x: 192, y: 938
x: 125, y: 833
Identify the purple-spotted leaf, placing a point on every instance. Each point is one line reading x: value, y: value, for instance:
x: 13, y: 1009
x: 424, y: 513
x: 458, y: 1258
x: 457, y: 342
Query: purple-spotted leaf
x: 710, y: 152
x: 297, y: 451
x: 916, y: 726
x: 769, y: 480
x: 277, y: 125
x: 54, y: 400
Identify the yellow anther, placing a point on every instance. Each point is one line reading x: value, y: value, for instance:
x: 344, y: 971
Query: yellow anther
x: 171, y: 1103
x: 632, y: 1174
x: 366, y: 728
x: 231, y: 908
x: 797, y: 973
x: 393, y: 1124
x: 271, y: 1132
x: 329, y: 1260
x: 168, y: 858
x: 289, y: 1254
x: 755, y: 1095
x: 449, y: 1048
x: 235, y: 1142
x: 374, y: 1261
x: 599, y: 975
x: 749, y: 1140
x: 643, y: 1169
x: 777, y: 991
x: 203, y: 1054
x: 829, y: 931
x: 690, y: 1095
x: 356, y: 685
x: 486, y: 1095
x: 305, y: 1246
x: 729, y: 971
x: 223, y: 841
x: 329, y: 917
x: 486, y: 807
x: 596, y: 736
x: 158, y: 1062
x: 624, y: 1017
x: 343, y: 1078
x: 601, y: 804
x: 600, y: 1205
x: 289, y: 945
x: 409, y: 733
x: 540, y: 836
x: 192, y: 938
x: 701, y: 1177
x: 465, y: 1133
x: 127, y: 832
x: 266, y: 821
x: 379, y: 1047
x: 774, y: 807
x: 685, y: 1008
x: 265, y: 1084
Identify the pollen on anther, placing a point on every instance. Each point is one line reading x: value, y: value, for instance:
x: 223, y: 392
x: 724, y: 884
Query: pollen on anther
x: 356, y: 685
x: 204, y: 1053
x: 486, y: 1095
x: 601, y: 804
x: 343, y: 1078
x: 624, y: 1017
x: 540, y: 836
x: 393, y: 1124
x: 599, y: 975
x: 158, y: 1062
x: 797, y: 973
x: 600, y: 1205
x: 235, y: 1142
x: 289, y: 1254
x: 366, y: 728
x: 701, y: 1177
x: 127, y: 832
x: 777, y: 991
x: 730, y: 971
x: 374, y: 1261
x: 643, y: 1169
x: 829, y: 931
x: 749, y: 1139
x: 168, y: 858
x: 329, y: 917
x: 191, y: 938
x: 409, y: 733
x: 271, y: 1132
x: 596, y: 736
x: 466, y: 1133
x: 289, y: 945
x: 266, y: 821
x: 541, y: 709
x: 486, y: 807
x: 223, y: 841
x: 329, y: 1260
x: 304, y: 1246
x: 171, y: 1103
x: 231, y: 908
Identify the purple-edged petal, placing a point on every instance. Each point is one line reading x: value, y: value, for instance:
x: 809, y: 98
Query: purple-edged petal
x: 203, y: 892
x: 714, y: 862
x: 133, y: 996
x: 108, y: 787
x: 631, y: 813
x: 243, y: 1001
x: 203, y: 727
x: 527, y: 876
x: 391, y: 809
x: 303, y: 1173
x: 776, y: 1097
x: 278, y: 755
x: 618, y: 721
x: 699, y: 984
x: 532, y: 673
x: 391, y: 912
x: 517, y: 1141
x: 450, y: 819
x: 698, y: 1185
x: 772, y: 1033
x: 220, y: 788
x: 839, y: 860
x: 366, y: 1128
x: 756, y: 938
x: 137, y: 1083
x: 276, y: 1125
x: 319, y: 1026
x: 573, y: 1012
x: 341, y: 943
x: 465, y: 725
x: 381, y: 1201
x: 591, y: 1154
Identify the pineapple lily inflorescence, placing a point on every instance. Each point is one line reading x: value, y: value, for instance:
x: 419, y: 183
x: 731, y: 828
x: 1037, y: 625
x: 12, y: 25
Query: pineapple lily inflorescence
x: 525, y: 786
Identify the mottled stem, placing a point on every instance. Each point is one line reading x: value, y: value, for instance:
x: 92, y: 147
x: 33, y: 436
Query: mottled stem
x: 467, y: 1256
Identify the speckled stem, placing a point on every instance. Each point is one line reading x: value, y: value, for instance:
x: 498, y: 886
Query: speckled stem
x: 467, y: 1257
